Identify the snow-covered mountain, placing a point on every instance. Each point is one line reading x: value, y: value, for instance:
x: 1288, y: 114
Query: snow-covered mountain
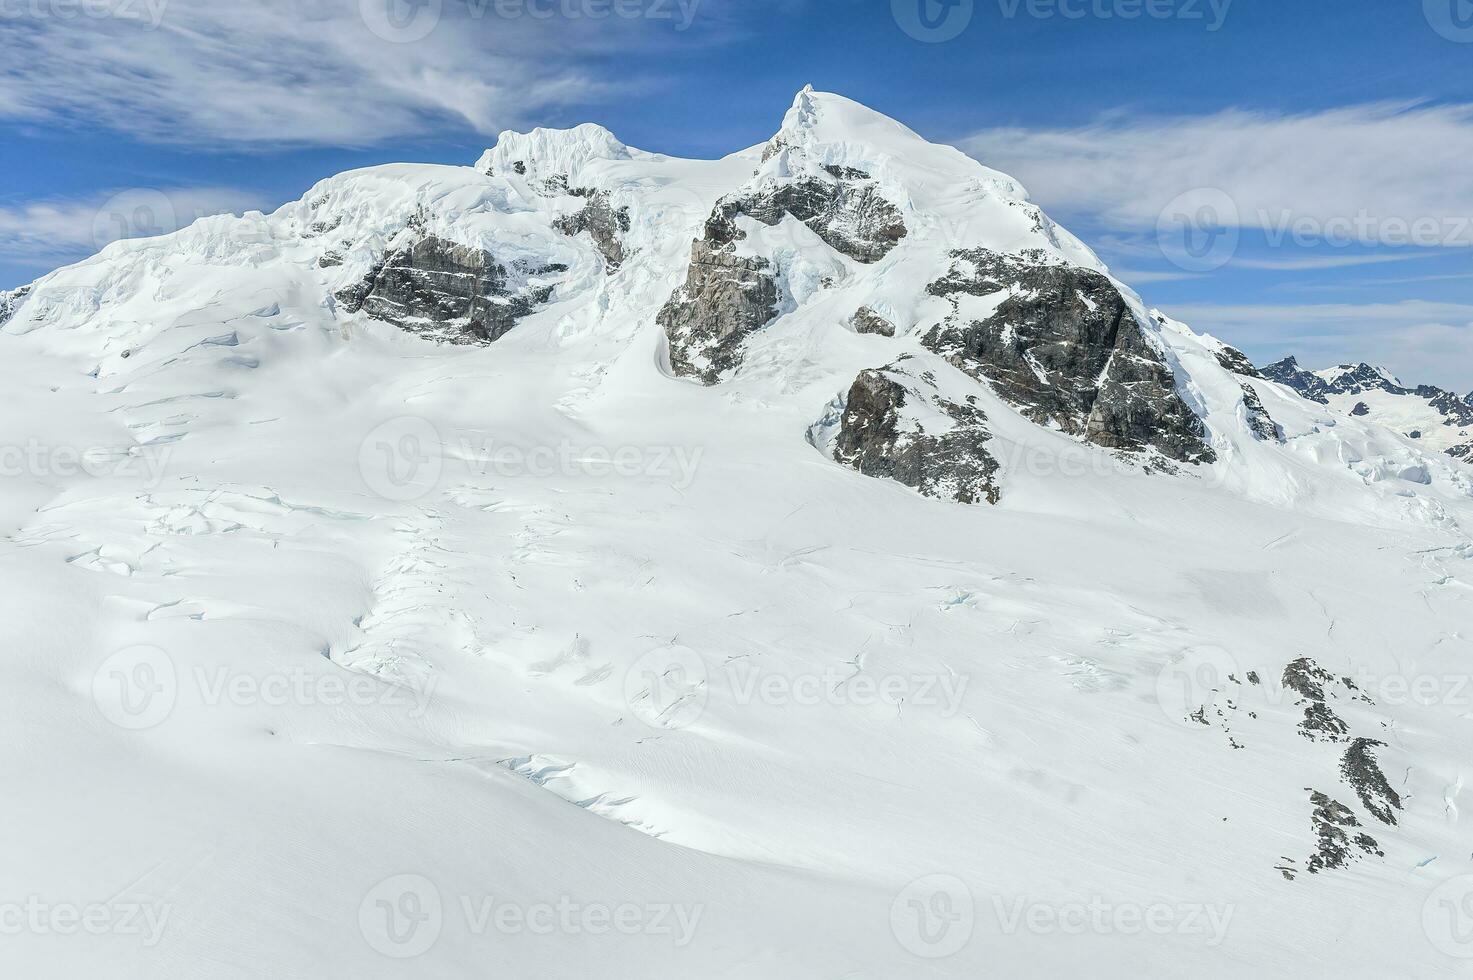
x: 1435, y: 416
x: 811, y: 562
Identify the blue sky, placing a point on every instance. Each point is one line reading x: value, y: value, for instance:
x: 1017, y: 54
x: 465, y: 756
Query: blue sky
x: 1291, y: 176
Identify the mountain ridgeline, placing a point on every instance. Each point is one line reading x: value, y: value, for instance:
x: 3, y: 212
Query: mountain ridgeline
x: 939, y: 299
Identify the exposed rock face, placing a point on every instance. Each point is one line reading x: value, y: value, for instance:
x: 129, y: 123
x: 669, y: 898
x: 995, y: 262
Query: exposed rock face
x: 1237, y: 362
x: 1453, y: 410
x: 1259, y: 421
x: 1332, y: 821
x: 730, y: 292
x: 1363, y: 773
x: 1308, y: 680
x: 1288, y: 372
x: 1064, y: 347
x: 846, y: 211
x: 897, y: 426
x: 1356, y: 379
x: 724, y: 298
x: 1456, y: 410
x: 449, y: 292
x: 866, y: 320
x: 1352, y: 379
x: 605, y: 224
x: 10, y: 302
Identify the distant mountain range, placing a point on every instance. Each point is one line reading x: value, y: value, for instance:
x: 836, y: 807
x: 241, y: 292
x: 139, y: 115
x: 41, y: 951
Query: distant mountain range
x: 1442, y: 419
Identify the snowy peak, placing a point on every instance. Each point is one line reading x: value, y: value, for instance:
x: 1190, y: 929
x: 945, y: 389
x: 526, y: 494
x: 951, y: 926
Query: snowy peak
x: 1308, y: 384
x: 1434, y: 416
x: 898, y: 288
x: 1352, y: 379
x: 550, y: 154
x: 825, y: 131
x: 822, y: 118
x: 853, y: 217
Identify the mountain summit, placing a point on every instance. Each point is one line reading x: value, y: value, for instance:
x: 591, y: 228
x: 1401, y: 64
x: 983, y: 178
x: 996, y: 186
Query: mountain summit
x: 847, y: 251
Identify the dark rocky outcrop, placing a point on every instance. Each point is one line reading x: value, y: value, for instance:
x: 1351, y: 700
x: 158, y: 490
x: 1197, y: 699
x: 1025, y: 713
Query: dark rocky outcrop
x: 724, y: 298
x: 1354, y: 379
x: 1307, y: 679
x: 10, y: 302
x: 1332, y: 823
x: 1309, y: 385
x: 1237, y: 362
x: 1455, y: 410
x: 449, y: 292
x: 1363, y: 773
x: 883, y: 435
x: 847, y: 211
x: 1260, y: 422
x: 605, y: 224
x: 866, y: 320
x: 1065, y: 348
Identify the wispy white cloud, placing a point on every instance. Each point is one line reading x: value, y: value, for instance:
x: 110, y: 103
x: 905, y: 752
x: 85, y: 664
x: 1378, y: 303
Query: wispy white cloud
x: 1389, y: 166
x: 1143, y: 277
x: 1304, y: 263
x: 206, y: 72
x: 46, y: 233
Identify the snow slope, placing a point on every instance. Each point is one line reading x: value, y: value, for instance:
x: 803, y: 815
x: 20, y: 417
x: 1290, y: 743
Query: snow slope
x: 334, y: 652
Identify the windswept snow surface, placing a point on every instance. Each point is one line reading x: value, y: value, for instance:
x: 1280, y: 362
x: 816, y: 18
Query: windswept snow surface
x: 334, y: 652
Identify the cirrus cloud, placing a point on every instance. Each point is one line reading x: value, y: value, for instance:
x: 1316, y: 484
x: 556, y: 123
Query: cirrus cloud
x: 325, y: 72
x: 1392, y: 164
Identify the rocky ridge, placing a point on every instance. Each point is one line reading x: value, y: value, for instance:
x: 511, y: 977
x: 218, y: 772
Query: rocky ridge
x: 1424, y: 412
